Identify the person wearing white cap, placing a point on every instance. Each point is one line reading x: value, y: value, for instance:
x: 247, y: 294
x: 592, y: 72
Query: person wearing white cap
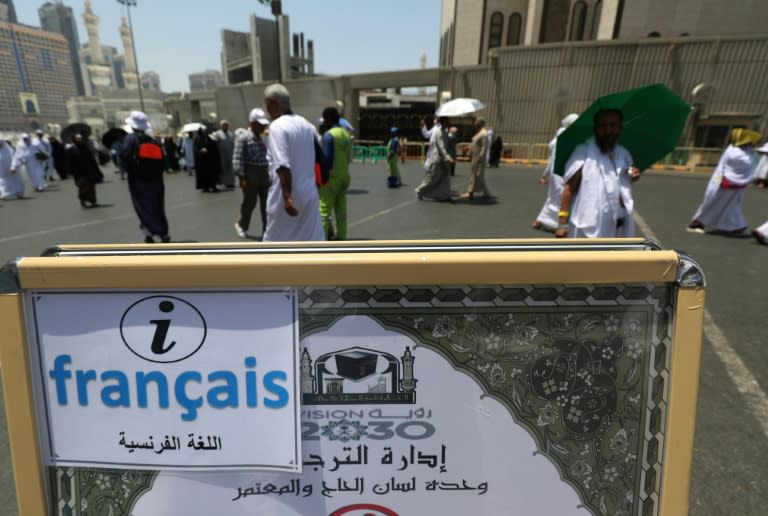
x: 142, y: 156
x: 11, y: 184
x: 293, y: 203
x: 249, y: 162
x: 547, y: 217
x: 761, y: 172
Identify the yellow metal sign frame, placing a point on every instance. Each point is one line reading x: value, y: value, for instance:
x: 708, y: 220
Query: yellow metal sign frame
x: 479, y: 262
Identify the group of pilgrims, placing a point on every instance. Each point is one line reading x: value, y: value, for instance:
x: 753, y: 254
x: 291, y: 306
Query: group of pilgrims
x: 592, y: 199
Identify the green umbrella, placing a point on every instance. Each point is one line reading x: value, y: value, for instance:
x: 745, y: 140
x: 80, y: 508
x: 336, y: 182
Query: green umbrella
x: 654, y: 117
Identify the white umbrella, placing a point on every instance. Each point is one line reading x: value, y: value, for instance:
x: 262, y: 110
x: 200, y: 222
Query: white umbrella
x: 192, y: 127
x: 459, y: 107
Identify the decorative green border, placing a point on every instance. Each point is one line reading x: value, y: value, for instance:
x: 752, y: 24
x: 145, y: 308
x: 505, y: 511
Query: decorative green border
x: 583, y: 369
x: 98, y: 492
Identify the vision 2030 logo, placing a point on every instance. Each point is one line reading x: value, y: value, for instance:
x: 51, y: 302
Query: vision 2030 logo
x: 165, y: 330
x: 357, y: 376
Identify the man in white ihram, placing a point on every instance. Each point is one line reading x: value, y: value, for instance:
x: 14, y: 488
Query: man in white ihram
x: 597, y: 196
x: 42, y: 151
x: 11, y: 184
x: 293, y: 204
x: 548, y: 215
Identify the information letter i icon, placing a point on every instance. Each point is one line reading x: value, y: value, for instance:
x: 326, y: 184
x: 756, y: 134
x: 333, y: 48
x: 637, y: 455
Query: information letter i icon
x: 161, y: 330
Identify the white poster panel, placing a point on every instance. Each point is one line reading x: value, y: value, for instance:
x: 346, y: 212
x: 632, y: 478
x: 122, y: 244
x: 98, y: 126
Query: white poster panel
x: 388, y: 429
x: 168, y: 380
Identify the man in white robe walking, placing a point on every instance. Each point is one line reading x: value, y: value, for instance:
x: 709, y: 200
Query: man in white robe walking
x: 477, y: 173
x: 436, y: 184
x: 427, y: 134
x: 597, y: 195
x: 11, y: 184
x: 226, y: 143
x: 293, y: 204
x: 724, y: 196
x: 39, y: 161
x: 21, y: 156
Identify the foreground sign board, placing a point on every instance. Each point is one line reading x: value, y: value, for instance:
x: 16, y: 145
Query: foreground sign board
x: 172, y: 380
x: 488, y: 377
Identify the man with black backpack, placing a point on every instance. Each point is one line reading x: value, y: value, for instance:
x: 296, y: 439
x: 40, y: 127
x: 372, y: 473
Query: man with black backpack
x: 142, y: 157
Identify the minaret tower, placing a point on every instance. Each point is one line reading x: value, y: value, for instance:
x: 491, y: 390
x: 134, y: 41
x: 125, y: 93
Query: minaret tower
x: 423, y: 63
x: 92, y: 26
x: 130, y: 76
x: 100, y: 74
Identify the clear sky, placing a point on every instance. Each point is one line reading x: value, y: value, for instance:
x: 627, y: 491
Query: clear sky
x: 178, y: 37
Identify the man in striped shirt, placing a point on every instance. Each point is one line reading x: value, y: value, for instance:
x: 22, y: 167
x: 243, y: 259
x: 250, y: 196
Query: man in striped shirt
x: 249, y: 161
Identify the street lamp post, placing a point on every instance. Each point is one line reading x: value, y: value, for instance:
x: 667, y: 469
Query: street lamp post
x: 128, y: 4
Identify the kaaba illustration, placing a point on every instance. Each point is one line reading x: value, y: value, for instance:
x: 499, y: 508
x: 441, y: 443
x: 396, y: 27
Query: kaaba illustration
x: 356, y: 365
x: 356, y: 376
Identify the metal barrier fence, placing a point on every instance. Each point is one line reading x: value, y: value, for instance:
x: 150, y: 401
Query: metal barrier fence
x: 681, y: 159
x: 690, y: 159
x: 372, y: 151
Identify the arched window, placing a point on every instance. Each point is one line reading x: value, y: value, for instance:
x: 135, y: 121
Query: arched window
x: 497, y: 26
x: 554, y: 21
x: 596, y: 18
x: 513, y: 32
x: 578, y: 21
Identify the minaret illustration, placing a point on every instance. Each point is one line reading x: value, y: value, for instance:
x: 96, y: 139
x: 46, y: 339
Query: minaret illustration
x: 307, y: 378
x: 409, y: 383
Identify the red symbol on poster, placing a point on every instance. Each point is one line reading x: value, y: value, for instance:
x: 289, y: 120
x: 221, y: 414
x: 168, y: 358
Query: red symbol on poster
x: 364, y: 509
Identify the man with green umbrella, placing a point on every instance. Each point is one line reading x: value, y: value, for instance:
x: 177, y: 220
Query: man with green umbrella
x: 597, y: 195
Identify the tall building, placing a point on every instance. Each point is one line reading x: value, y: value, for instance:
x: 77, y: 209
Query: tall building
x: 472, y: 28
x: 111, y: 81
x: 57, y: 17
x: 255, y: 56
x: 8, y: 11
x: 150, y: 81
x: 96, y: 66
x: 206, y: 80
x: 35, y: 77
x: 130, y: 77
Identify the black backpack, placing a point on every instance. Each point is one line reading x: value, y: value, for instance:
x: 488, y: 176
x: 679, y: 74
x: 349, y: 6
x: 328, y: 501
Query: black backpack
x: 322, y: 167
x: 148, y: 158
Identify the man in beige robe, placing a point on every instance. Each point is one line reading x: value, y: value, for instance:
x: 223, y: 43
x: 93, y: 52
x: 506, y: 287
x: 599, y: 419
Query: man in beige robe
x: 478, y: 150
